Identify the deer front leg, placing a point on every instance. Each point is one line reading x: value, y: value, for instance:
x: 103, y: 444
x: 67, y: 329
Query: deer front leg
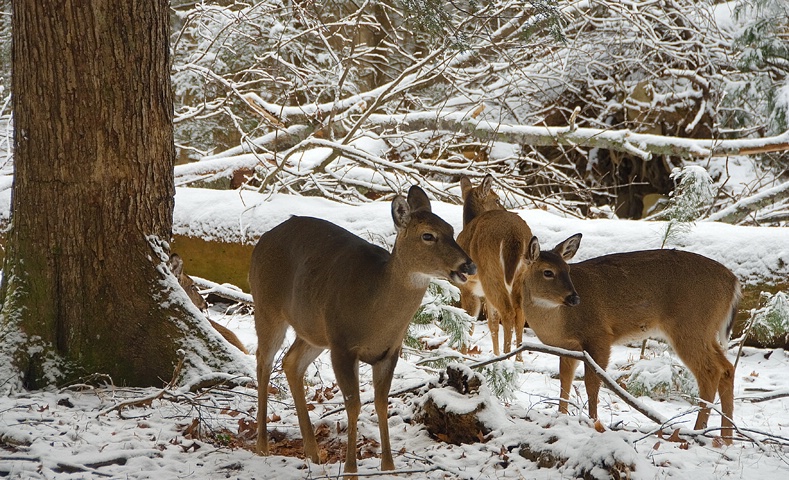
x: 382, y: 382
x: 346, y: 370
x: 592, y: 381
x: 566, y: 373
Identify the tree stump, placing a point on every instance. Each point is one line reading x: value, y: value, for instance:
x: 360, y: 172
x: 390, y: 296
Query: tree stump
x: 452, y: 408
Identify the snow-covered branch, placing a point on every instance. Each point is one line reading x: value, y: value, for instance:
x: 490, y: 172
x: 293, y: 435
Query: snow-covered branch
x: 738, y: 211
x: 640, y: 144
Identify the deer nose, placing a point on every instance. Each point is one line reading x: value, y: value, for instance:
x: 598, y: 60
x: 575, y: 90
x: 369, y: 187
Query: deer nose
x: 469, y: 268
x: 572, y: 300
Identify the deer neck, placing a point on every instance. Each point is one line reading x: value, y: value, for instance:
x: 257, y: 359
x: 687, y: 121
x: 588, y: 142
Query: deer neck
x: 548, y: 321
x: 403, y: 273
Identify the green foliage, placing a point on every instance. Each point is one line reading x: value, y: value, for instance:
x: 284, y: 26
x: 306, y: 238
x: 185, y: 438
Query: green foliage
x: 546, y: 17
x: 691, y: 197
x: 762, y: 42
x: 770, y: 321
x: 764, y: 51
x: 500, y: 378
x: 430, y: 16
x: 437, y: 309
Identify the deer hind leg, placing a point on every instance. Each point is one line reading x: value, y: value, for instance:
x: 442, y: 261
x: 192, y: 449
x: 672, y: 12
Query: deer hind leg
x: 268, y: 345
x: 346, y: 371
x: 520, y: 324
x: 726, y: 392
x: 494, y: 319
x: 714, y: 373
x: 567, y: 368
x: 300, y: 355
x: 507, y: 319
x: 382, y: 382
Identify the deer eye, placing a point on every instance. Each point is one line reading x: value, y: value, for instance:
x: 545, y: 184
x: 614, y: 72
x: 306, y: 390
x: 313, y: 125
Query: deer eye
x: 548, y: 274
x: 428, y: 237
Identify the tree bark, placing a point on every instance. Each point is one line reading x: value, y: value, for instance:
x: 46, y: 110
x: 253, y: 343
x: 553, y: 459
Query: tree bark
x: 84, y: 288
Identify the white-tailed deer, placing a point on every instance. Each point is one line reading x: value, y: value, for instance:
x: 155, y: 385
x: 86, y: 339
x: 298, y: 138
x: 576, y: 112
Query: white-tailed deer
x: 681, y: 297
x: 342, y: 293
x: 498, y: 242
x: 176, y: 265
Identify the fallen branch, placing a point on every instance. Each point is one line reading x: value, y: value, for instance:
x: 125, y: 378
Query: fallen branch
x: 638, y: 144
x: 743, y: 208
x: 224, y: 291
x: 769, y: 396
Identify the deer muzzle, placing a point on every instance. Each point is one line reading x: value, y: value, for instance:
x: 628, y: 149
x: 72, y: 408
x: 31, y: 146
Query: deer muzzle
x: 461, y: 274
x: 572, y: 300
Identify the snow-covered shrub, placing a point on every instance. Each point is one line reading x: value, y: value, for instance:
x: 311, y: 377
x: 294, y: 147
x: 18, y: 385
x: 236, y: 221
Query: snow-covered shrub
x: 691, y: 197
x: 772, y: 319
x: 437, y: 309
x: 659, y: 377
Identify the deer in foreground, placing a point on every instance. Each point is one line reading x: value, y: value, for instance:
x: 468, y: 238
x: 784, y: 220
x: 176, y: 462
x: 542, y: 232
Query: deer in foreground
x: 497, y: 241
x: 176, y: 265
x: 684, y: 298
x: 342, y: 293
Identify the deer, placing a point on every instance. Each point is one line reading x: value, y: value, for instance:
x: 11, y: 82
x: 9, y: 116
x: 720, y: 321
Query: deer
x: 341, y: 293
x: 684, y: 298
x: 176, y: 265
x: 497, y: 240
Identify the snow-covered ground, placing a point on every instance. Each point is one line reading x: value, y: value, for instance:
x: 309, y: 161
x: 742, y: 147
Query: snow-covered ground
x: 78, y: 432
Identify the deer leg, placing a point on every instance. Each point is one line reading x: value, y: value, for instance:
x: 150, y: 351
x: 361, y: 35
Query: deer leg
x: 520, y: 324
x: 566, y: 372
x: 493, y: 326
x: 714, y: 373
x: 300, y: 355
x: 506, y: 318
x: 267, y: 348
x: 382, y: 382
x: 592, y: 381
x: 726, y: 392
x: 346, y: 371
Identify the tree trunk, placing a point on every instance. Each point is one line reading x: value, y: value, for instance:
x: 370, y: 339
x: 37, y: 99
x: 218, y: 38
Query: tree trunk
x: 84, y: 288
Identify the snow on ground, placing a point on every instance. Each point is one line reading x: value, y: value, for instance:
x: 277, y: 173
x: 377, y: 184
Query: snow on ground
x: 77, y: 433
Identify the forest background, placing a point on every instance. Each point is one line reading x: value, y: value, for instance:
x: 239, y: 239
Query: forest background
x: 586, y: 109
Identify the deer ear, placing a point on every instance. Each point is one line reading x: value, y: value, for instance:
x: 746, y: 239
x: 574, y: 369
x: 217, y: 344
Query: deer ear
x: 568, y: 248
x: 465, y: 186
x: 486, y: 184
x: 417, y: 199
x: 401, y: 212
x: 176, y: 264
x: 534, y: 249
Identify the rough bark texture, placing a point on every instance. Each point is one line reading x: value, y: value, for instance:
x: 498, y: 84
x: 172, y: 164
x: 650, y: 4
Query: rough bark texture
x: 93, y: 184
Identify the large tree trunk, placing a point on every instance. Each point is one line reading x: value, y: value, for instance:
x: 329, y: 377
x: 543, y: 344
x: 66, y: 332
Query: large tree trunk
x: 84, y: 287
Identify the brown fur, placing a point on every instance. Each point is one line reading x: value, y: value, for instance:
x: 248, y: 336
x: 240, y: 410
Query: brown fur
x: 682, y: 297
x: 176, y: 265
x: 497, y: 241
x: 341, y: 293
